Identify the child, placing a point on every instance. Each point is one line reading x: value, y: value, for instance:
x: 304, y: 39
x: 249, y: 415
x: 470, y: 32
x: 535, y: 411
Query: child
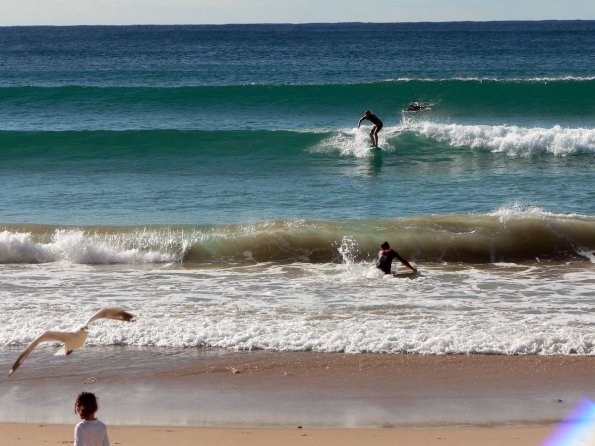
x: 90, y: 431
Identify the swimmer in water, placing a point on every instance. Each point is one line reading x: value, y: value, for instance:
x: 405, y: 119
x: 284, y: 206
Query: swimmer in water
x: 386, y: 256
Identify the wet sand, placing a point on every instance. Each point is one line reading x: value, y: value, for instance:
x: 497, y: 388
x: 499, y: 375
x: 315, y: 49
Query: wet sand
x: 262, y: 396
x: 25, y: 435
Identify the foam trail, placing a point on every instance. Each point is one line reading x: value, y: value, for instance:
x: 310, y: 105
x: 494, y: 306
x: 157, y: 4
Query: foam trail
x: 356, y: 142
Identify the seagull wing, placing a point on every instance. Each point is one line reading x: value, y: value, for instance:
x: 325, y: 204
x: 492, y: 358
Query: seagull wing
x: 112, y: 313
x: 48, y: 336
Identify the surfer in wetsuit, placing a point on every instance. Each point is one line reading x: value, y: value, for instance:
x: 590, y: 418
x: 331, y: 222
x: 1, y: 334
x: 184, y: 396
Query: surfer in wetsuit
x: 386, y: 256
x: 375, y: 129
x: 415, y: 106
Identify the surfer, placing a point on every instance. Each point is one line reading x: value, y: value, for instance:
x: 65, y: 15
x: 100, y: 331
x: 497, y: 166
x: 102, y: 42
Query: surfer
x: 375, y: 129
x: 415, y: 106
x: 386, y: 256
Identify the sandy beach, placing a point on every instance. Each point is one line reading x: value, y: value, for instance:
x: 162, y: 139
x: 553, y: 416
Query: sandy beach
x: 216, y: 397
x: 29, y: 434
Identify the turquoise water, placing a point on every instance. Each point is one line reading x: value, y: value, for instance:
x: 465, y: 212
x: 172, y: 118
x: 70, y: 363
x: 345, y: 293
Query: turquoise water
x: 209, y: 155
x: 215, y: 177
x: 240, y: 124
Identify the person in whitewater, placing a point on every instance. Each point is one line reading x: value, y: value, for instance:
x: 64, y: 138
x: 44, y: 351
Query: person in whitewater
x: 386, y: 256
x: 415, y: 106
x: 375, y: 129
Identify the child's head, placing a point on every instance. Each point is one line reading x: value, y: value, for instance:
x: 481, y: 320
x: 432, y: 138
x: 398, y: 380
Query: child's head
x: 85, y: 405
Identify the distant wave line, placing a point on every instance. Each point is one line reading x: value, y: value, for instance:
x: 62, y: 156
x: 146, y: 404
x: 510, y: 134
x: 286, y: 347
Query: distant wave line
x: 151, y: 86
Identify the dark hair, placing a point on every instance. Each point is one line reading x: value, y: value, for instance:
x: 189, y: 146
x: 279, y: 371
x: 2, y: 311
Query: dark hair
x: 385, y: 245
x: 85, y: 405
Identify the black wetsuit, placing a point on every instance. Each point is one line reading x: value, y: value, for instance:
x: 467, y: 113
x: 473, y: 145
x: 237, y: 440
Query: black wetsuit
x: 385, y: 259
x: 375, y: 120
x: 415, y: 107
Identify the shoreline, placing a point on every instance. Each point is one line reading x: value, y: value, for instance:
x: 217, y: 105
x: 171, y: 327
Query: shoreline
x: 151, y: 397
x: 264, y: 389
x: 15, y: 434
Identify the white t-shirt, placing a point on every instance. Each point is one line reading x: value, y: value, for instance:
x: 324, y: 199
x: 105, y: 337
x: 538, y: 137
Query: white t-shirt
x: 90, y: 433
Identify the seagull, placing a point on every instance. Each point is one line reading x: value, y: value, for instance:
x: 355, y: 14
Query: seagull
x: 72, y: 340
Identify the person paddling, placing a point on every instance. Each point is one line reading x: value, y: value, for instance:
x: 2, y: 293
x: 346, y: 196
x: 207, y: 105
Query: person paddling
x: 386, y: 256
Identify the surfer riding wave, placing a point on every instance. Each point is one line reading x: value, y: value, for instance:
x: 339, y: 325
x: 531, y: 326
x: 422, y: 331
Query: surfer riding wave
x: 375, y: 129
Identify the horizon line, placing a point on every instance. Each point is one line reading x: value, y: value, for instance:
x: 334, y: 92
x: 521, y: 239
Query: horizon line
x: 298, y: 23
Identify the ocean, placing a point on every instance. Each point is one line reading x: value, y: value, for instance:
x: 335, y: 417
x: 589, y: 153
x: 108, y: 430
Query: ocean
x: 212, y: 181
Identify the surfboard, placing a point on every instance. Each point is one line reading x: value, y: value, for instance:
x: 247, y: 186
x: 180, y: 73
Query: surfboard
x: 407, y: 275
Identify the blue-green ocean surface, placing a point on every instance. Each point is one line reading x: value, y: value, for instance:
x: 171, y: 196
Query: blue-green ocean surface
x: 211, y: 179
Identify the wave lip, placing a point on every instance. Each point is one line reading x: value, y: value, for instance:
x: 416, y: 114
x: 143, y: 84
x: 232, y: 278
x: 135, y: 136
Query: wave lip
x: 76, y: 246
x: 512, y: 140
x: 509, y: 234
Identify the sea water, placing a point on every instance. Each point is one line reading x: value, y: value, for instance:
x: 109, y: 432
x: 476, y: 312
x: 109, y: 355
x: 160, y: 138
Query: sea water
x: 212, y: 181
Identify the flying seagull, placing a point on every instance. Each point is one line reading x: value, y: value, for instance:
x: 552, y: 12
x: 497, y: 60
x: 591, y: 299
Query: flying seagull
x: 71, y: 340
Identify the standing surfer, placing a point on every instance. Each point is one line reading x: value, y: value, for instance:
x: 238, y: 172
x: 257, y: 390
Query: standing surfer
x: 375, y: 129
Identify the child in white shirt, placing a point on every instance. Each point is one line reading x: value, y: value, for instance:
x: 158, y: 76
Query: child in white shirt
x: 90, y: 431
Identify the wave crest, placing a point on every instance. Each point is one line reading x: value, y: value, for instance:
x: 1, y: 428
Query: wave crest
x: 512, y: 140
x: 515, y: 233
x: 76, y: 246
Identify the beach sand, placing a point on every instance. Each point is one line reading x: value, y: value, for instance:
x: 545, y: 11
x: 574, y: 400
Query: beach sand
x: 29, y: 434
x: 181, y: 396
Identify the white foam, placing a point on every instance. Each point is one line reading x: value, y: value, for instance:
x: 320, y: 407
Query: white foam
x: 77, y: 246
x: 509, y: 139
x: 494, y: 79
x: 521, y: 210
x: 351, y: 307
x: 356, y: 141
x: 587, y: 253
